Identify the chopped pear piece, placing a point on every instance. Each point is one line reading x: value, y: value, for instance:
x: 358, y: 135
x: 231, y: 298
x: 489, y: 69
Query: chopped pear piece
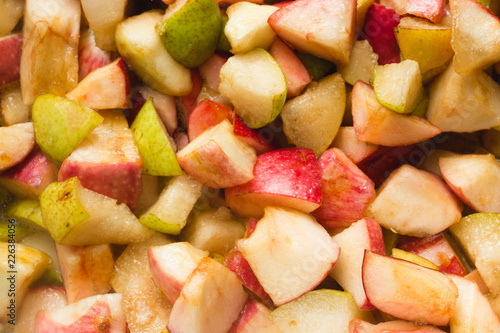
x: 140, y: 45
x: 155, y: 145
x: 361, y: 63
x: 170, y: 212
x: 61, y: 124
x: 255, y: 85
x: 398, y: 87
x: 27, y: 212
x: 75, y: 215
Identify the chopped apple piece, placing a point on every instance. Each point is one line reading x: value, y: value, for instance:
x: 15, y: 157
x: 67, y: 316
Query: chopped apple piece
x: 16, y: 142
x: 107, y: 87
x: 361, y: 63
x: 75, y: 215
x: 247, y: 26
x: 141, y: 46
x: 319, y: 311
x: 465, y: 15
x: 12, y: 109
x: 217, y: 158
x: 146, y: 309
x: 432, y: 10
x: 396, y: 326
x: 170, y: 212
x: 415, y: 202
x: 412, y: 257
x: 312, y: 119
x: 465, y: 102
x: 482, y: 318
x: 50, y: 31
x: 103, y: 17
x: 474, y: 179
x: 10, y: 48
x: 364, y: 234
x: 107, y: 161
x: 61, y: 125
x: 210, y: 301
x: 90, y: 57
x: 92, y: 314
x: 255, y: 318
x: 171, y: 266
x: 287, y: 177
x: 278, y: 252
x: 347, y: 141
x: 255, y: 85
x: 86, y: 270
x: 398, y: 86
x: 408, y: 291
x: 376, y: 124
x: 322, y: 28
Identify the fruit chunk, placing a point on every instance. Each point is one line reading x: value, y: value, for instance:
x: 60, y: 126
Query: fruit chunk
x: 412, y: 257
x: 465, y: 14
x: 415, y: 202
x: 408, y: 291
x: 170, y: 212
x: 140, y: 45
x: 432, y: 10
x: 482, y: 319
x: 191, y: 32
x: 247, y: 26
x: 86, y: 270
x: 378, y: 125
x: 217, y: 158
x: 397, y: 326
x: 278, y: 252
x: 287, y: 177
x: 11, y: 12
x: 312, y: 119
x: 155, y: 145
x: 91, y: 314
x: 90, y: 57
x: 474, y: 179
x: 361, y: 63
x: 210, y: 301
x: 398, y: 86
x: 171, y: 266
x: 347, y: 141
x: 107, y: 161
x: 319, y: 311
x: 255, y: 85
x: 425, y: 42
x: 363, y: 234
x: 255, y: 318
x: 346, y: 190
x: 26, y: 212
x: 12, y: 109
x: 465, y: 102
x: 380, y: 22
x: 479, y: 236
x: 107, y: 87
x: 29, y: 265
x: 75, y: 215
x: 103, y: 19
x: 322, y: 28
x: 16, y: 142
x: 10, y: 48
x: 61, y: 125
x: 146, y: 310
x: 50, y: 31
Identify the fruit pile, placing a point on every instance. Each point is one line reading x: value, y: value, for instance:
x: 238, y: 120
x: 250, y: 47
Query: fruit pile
x: 249, y: 166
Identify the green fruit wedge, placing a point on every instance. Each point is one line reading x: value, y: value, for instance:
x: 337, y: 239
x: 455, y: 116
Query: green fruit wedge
x: 155, y: 145
x: 192, y: 33
x: 61, y: 124
x: 27, y: 212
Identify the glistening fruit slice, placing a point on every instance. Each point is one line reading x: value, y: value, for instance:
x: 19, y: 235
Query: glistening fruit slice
x: 60, y: 125
x: 255, y: 85
x: 192, y: 32
x: 75, y: 215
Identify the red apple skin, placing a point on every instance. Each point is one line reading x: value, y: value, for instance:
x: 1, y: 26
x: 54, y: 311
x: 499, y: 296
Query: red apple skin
x: 254, y: 318
x: 30, y: 177
x: 435, y: 249
x: 90, y: 57
x: 205, y: 115
x: 287, y: 177
x: 347, y: 141
x: 254, y: 137
x: 210, y: 70
x: 10, y: 51
x: 346, y: 190
x: 380, y: 22
x: 97, y: 319
x: 121, y: 181
x: 296, y: 74
x: 433, y: 10
x: 186, y: 104
x: 39, y: 298
x: 169, y: 286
